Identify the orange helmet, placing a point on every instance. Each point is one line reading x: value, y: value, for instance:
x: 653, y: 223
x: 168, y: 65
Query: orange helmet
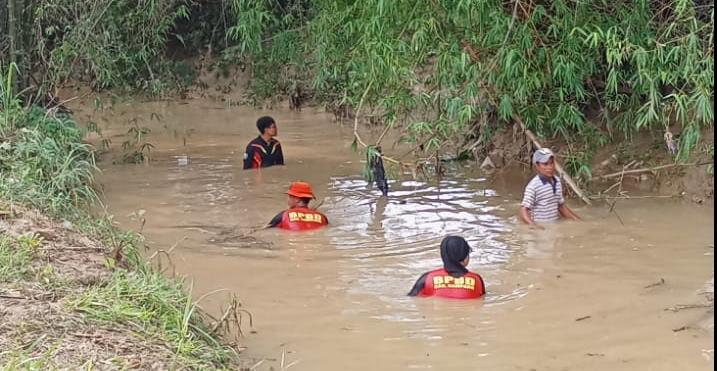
x: 301, y: 190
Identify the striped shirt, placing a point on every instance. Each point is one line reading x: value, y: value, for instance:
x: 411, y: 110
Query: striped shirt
x: 542, y: 197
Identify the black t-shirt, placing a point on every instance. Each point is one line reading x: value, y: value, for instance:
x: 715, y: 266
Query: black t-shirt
x: 262, y: 154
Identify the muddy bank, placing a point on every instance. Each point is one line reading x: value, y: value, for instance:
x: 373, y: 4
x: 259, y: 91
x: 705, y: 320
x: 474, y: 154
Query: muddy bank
x: 65, y: 303
x: 641, y: 166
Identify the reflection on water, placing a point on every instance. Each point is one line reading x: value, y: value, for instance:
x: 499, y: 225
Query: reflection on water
x: 337, y: 296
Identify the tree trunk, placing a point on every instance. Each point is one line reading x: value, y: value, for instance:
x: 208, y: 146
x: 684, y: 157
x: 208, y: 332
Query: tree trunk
x: 25, y: 42
x: 12, y: 35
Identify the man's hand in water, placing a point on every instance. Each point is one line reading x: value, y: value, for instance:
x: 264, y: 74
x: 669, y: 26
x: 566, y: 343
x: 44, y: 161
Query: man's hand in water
x: 566, y: 213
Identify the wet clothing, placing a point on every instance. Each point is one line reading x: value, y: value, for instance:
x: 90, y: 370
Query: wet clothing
x: 299, y: 219
x: 453, y: 280
x: 262, y: 154
x: 442, y: 284
x: 543, y: 196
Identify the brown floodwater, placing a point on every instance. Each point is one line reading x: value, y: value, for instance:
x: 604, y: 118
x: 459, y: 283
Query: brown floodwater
x: 576, y: 296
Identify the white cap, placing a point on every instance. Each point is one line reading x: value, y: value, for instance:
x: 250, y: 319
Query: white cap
x: 542, y: 155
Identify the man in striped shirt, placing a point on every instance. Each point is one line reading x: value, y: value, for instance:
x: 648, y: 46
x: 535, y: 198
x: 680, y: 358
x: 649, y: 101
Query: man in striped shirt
x: 543, y: 197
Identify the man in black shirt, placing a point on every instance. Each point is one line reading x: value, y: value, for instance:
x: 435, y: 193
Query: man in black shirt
x: 264, y: 150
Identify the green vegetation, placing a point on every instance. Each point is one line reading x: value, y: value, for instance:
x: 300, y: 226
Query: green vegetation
x: 584, y: 72
x: 104, y: 43
x: 155, y: 306
x: 16, y: 256
x: 44, y: 164
x: 446, y: 73
x: 42, y: 158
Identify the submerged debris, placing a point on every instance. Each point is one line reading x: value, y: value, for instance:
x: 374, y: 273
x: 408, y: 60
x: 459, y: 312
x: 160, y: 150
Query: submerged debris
x: 377, y: 170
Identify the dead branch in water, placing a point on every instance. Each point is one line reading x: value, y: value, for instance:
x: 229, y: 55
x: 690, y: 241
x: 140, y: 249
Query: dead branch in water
x: 232, y: 317
x: 658, y: 283
x: 650, y: 169
x: 612, y: 210
x: 680, y: 307
x: 626, y: 197
x: 558, y: 168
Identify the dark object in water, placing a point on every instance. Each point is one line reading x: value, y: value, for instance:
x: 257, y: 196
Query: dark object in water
x: 378, y: 172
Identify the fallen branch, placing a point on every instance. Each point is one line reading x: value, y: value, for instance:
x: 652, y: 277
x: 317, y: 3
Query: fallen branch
x: 612, y: 210
x: 356, y: 116
x: 14, y: 297
x: 649, y: 169
x: 680, y: 307
x: 598, y: 197
x: 658, y: 283
x: 558, y: 168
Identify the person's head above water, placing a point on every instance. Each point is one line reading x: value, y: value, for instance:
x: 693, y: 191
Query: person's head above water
x: 455, y: 253
x: 300, y: 194
x: 544, y: 161
x: 267, y: 126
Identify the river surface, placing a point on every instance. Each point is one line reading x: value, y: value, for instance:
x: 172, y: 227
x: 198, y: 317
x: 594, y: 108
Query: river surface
x: 576, y: 296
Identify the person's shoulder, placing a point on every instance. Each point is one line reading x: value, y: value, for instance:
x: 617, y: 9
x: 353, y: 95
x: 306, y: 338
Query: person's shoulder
x: 254, y: 141
x: 474, y: 274
x: 535, y: 180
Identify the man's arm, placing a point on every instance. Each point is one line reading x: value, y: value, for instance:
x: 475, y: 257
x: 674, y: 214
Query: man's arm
x: 565, y: 212
x: 276, y: 220
x: 419, y: 285
x: 563, y: 208
x: 249, y: 157
x: 526, y: 205
x: 525, y: 216
x: 279, y: 155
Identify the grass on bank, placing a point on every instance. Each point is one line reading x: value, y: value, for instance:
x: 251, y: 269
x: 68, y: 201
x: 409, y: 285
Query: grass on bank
x: 44, y: 164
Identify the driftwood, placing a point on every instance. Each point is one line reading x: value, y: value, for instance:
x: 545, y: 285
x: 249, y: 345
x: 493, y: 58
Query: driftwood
x: 626, y: 197
x: 558, y: 168
x: 649, y: 169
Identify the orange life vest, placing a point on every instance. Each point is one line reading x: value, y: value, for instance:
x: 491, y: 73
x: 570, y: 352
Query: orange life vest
x: 302, y: 219
x: 440, y: 283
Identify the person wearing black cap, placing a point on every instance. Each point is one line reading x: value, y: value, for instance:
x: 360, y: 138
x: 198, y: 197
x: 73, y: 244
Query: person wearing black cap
x: 264, y: 150
x: 453, y: 280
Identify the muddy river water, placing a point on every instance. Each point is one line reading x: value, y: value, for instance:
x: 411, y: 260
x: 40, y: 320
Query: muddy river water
x: 576, y: 296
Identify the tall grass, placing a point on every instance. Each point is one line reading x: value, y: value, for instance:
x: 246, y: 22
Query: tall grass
x: 42, y: 158
x: 44, y: 164
x: 157, y: 308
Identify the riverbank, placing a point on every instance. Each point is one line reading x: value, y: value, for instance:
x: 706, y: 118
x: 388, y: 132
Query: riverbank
x: 68, y: 304
x: 75, y: 292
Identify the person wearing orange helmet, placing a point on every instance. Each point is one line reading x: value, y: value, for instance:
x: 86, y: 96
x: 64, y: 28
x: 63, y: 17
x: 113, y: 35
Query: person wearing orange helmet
x: 299, y: 217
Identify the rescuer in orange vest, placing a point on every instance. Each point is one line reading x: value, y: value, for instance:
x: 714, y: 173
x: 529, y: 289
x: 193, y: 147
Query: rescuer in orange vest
x: 299, y: 217
x: 453, y: 280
